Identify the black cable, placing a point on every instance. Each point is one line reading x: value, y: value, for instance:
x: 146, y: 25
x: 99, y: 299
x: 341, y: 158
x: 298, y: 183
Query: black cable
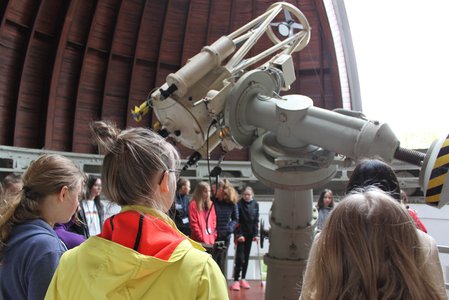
x: 214, y: 121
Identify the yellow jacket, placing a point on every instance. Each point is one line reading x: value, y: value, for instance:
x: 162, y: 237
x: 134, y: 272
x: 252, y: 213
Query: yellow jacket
x: 101, y: 268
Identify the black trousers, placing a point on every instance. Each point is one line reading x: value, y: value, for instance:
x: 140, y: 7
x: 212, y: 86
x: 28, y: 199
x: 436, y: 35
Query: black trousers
x: 242, y: 258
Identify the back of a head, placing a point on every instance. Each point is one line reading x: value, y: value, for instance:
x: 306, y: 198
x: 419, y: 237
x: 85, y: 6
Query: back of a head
x: 230, y: 195
x: 134, y: 163
x: 374, y: 172
x: 369, y: 249
x: 12, y: 183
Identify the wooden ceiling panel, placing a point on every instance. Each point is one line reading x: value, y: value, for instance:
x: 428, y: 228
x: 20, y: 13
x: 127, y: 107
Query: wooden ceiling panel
x: 65, y: 77
x: 242, y: 12
x: 3, y: 5
x: 103, y: 25
x: 330, y: 58
x: 121, y: 60
x: 13, y: 41
x: 115, y: 99
x: 174, y: 31
x: 127, y: 28
x: 89, y: 98
x: 78, y: 21
x: 219, y: 18
x: 22, y: 12
x: 150, y: 31
x: 94, y: 71
x: 145, y: 60
x: 196, y: 29
x: 51, y: 13
x: 33, y: 94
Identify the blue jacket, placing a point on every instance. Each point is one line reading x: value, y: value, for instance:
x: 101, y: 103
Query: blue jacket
x: 29, y: 260
x: 179, y: 212
x: 227, y: 219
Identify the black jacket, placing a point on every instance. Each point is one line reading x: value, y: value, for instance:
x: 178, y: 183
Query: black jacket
x: 179, y: 212
x: 248, y: 219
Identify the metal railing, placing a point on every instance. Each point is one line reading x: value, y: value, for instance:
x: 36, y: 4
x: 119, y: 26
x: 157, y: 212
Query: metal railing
x: 444, y: 250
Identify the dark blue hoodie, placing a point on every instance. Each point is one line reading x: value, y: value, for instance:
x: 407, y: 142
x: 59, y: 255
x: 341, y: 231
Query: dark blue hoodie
x: 29, y: 260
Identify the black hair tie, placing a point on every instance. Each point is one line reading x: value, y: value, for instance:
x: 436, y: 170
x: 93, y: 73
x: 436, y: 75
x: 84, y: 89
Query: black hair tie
x: 28, y: 193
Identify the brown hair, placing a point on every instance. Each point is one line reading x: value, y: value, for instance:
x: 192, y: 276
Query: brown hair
x: 249, y: 189
x: 135, y: 160
x: 320, y: 203
x: 369, y: 249
x: 91, y: 180
x: 45, y: 176
x: 180, y: 183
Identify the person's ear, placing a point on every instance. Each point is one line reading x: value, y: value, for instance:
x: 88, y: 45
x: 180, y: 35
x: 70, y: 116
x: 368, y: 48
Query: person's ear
x: 164, y: 186
x: 63, y: 193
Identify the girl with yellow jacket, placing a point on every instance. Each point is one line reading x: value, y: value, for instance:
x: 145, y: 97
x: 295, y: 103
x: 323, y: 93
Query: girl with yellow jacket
x: 140, y: 254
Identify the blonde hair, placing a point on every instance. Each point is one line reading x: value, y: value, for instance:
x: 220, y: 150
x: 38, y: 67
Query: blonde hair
x: 369, y: 249
x: 230, y: 195
x: 45, y: 176
x: 198, y: 196
x: 134, y: 163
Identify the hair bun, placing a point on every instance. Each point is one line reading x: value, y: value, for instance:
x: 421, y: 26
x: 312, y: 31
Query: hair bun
x: 104, y: 134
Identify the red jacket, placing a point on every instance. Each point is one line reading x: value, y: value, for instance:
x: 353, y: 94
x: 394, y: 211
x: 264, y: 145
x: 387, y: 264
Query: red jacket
x: 199, y: 231
x: 415, y: 218
x: 144, y: 233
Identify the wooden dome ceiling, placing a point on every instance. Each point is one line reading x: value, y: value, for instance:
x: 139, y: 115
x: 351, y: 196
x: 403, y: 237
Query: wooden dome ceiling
x: 64, y: 63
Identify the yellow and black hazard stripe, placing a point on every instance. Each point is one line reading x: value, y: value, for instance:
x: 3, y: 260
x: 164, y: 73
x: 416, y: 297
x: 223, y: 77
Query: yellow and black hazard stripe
x: 438, y: 174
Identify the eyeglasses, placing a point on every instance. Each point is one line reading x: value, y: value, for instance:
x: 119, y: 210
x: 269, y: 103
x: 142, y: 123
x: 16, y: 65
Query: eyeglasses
x: 176, y: 171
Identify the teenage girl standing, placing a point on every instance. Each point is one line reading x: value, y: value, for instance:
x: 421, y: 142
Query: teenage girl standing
x: 140, y: 253
x: 247, y: 232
